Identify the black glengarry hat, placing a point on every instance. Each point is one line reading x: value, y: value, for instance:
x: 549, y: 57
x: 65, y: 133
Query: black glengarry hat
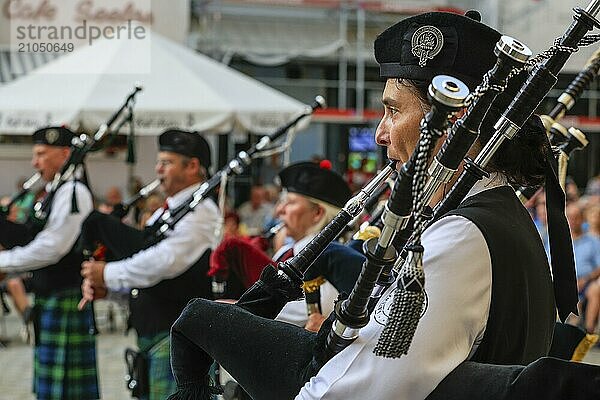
x: 53, y: 136
x: 426, y: 45
x: 190, y: 144
x: 310, y: 179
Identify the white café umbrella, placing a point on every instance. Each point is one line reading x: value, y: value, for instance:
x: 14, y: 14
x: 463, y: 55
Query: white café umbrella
x: 182, y: 88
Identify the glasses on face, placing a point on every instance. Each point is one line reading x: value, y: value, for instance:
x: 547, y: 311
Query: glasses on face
x: 164, y: 163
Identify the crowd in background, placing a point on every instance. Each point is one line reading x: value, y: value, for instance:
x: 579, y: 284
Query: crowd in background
x: 583, y: 215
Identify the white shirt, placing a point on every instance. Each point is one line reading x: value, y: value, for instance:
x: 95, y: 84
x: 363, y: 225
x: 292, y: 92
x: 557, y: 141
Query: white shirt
x: 458, y: 283
x: 255, y: 219
x: 58, y: 236
x: 182, y: 247
x: 294, y: 312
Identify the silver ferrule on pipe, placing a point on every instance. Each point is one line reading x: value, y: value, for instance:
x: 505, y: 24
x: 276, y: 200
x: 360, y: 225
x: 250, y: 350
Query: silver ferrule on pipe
x: 567, y: 100
x: 149, y: 188
x: 101, y: 132
x: 391, y: 224
x: 505, y: 129
x: 345, y: 332
x: 263, y: 142
x: 438, y: 174
x: 31, y: 181
x: 356, y: 203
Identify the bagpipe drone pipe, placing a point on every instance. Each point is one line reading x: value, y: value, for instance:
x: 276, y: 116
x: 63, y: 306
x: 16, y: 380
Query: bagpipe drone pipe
x: 566, y: 141
x: 235, y: 167
x: 511, y: 57
x: 120, y: 210
x: 447, y: 95
x: 21, y: 234
x: 80, y: 147
x: 96, y: 230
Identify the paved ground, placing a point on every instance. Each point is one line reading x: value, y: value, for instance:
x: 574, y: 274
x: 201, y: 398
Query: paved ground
x: 16, y: 357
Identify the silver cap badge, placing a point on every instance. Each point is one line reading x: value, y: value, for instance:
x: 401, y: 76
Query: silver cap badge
x: 52, y: 136
x: 426, y: 43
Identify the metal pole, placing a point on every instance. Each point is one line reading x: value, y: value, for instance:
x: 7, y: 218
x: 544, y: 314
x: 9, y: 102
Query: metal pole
x: 343, y: 59
x: 360, y: 61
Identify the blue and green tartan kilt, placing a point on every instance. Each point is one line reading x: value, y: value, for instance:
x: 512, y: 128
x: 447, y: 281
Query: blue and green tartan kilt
x: 160, y: 377
x: 65, y: 349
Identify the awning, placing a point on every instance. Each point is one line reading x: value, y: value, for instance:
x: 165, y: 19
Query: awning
x: 14, y: 64
x: 271, y: 42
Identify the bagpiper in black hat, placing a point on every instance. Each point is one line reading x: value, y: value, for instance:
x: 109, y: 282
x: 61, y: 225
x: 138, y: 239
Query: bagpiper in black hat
x: 190, y: 144
x: 53, y: 136
x: 436, y: 43
x: 316, y: 181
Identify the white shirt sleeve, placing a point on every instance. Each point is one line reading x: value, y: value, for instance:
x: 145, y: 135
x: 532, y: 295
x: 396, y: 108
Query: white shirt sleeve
x: 172, y: 256
x: 458, y: 280
x: 58, y: 236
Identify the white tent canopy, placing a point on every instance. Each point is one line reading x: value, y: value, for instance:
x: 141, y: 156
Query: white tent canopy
x: 181, y: 89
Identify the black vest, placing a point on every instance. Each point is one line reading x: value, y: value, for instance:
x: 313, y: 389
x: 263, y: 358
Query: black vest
x: 65, y: 274
x: 155, y: 309
x: 522, y: 310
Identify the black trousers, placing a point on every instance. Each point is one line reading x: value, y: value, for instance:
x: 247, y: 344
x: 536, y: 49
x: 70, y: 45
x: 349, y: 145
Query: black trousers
x: 272, y: 360
x: 269, y: 359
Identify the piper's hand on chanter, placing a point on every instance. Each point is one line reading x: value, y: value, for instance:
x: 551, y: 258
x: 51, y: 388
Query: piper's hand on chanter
x: 315, y: 320
x: 94, y: 271
x: 93, y: 286
x: 90, y: 293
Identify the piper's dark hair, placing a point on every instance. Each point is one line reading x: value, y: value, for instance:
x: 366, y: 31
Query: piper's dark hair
x: 521, y: 159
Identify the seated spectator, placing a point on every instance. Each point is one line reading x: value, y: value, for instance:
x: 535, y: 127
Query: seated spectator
x: 255, y: 212
x: 540, y: 219
x: 593, y: 189
x: 592, y: 217
x: 571, y: 190
x: 231, y: 225
x: 152, y: 203
x: 586, y: 249
x: 112, y: 197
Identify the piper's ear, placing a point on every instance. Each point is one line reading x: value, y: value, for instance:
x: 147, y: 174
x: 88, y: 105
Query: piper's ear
x: 194, y: 163
x: 320, y: 213
x: 65, y: 151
